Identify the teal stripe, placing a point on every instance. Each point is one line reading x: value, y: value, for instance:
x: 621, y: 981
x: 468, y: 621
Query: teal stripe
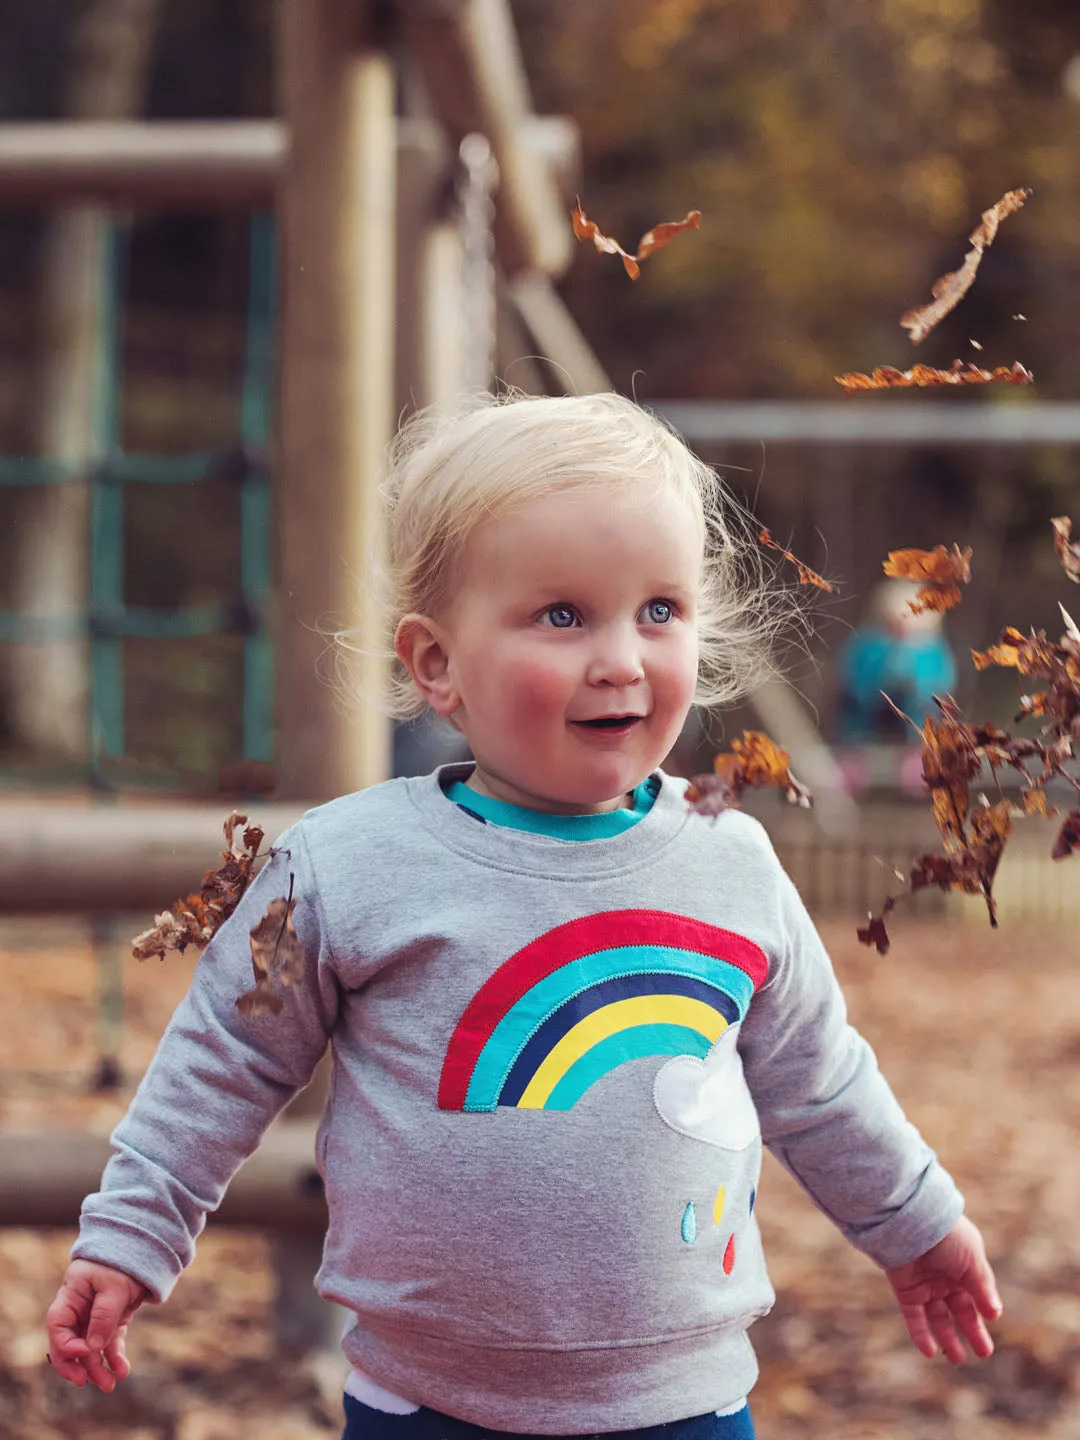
x: 637, y: 1043
x: 558, y: 827
x: 521, y: 1022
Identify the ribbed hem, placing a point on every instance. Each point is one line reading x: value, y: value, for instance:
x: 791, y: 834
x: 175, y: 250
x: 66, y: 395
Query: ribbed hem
x: 592, y: 1389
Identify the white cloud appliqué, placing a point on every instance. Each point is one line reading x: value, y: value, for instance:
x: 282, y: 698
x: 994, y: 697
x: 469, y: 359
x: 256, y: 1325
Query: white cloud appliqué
x: 709, y: 1099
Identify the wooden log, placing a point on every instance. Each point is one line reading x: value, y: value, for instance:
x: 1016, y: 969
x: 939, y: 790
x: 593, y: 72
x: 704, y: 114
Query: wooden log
x: 85, y: 859
x: 337, y: 216
x: 231, y: 164
x: 46, y: 1173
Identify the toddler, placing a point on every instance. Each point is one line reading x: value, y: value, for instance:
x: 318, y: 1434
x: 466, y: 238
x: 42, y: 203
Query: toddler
x: 565, y: 1012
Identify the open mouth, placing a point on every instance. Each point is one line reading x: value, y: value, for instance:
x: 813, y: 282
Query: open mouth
x: 610, y: 722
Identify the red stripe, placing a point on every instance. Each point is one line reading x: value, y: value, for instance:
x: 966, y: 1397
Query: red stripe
x: 605, y: 931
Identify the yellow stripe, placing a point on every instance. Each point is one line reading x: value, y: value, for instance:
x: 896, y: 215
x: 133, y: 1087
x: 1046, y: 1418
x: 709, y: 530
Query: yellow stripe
x: 619, y: 1015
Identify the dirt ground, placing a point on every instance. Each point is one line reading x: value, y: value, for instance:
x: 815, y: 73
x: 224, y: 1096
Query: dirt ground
x: 978, y: 1031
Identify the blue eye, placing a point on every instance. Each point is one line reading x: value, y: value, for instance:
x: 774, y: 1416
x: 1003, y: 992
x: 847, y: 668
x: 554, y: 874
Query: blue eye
x: 561, y: 617
x: 658, y: 611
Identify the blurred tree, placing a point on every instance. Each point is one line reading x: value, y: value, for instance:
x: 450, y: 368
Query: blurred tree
x: 841, y: 154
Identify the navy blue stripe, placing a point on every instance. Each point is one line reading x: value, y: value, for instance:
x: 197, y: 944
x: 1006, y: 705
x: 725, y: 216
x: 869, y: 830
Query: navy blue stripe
x: 620, y: 987
x: 363, y: 1423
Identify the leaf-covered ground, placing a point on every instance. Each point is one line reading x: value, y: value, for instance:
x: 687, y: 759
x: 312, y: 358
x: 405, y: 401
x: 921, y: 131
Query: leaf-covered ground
x: 979, y: 1032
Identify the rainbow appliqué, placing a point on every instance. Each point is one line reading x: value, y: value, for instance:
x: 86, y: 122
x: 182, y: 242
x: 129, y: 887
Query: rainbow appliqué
x: 592, y: 995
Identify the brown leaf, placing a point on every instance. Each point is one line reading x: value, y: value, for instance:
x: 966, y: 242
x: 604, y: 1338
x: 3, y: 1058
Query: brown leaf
x: 939, y: 572
x: 951, y: 288
x: 874, y: 932
x: 1068, y: 837
x: 1068, y: 551
x: 277, y: 956
x: 753, y: 761
x: 652, y: 240
x: 1035, y: 802
x: 806, y: 575
x: 886, y: 377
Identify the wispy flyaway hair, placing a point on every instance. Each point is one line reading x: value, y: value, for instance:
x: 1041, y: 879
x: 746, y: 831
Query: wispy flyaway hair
x: 450, y: 470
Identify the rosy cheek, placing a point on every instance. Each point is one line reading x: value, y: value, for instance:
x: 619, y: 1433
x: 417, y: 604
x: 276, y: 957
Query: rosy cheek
x: 537, y: 685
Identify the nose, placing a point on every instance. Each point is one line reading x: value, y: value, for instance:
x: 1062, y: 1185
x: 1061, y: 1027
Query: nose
x: 616, y: 660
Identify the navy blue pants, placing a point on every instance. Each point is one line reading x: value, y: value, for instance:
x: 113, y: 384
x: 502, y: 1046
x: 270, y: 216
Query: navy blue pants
x: 364, y: 1423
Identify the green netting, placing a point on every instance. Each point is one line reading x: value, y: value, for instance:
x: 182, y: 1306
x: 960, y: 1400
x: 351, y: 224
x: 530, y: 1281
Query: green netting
x: 107, y: 620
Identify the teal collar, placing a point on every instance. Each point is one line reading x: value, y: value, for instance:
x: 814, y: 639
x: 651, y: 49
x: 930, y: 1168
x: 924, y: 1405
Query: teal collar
x: 559, y: 827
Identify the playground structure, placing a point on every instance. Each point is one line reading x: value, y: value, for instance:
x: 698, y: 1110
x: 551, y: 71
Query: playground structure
x: 382, y: 296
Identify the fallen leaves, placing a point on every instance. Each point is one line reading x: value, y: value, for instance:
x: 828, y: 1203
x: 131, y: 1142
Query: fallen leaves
x: 652, y: 240
x: 806, y: 575
x: 951, y: 288
x: 753, y: 761
x: 939, y: 573
x: 886, y: 377
x: 955, y: 752
x: 277, y: 956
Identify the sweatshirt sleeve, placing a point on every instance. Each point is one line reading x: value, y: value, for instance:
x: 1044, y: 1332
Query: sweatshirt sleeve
x: 828, y: 1114
x: 217, y: 1080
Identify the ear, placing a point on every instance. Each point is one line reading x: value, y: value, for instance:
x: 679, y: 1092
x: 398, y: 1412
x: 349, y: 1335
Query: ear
x: 422, y: 647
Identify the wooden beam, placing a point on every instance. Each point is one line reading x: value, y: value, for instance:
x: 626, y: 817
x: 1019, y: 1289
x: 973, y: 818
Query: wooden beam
x: 197, y: 164
x: 192, y: 164
x: 337, y: 219
x: 45, y: 1174
x: 468, y: 56
x: 85, y: 859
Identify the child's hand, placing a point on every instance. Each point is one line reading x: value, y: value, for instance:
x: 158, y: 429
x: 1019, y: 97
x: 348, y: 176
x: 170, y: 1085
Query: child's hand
x: 947, y: 1295
x: 87, y: 1324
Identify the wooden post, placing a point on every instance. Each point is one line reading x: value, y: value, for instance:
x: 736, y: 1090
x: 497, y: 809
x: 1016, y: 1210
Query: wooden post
x: 337, y: 202
x: 336, y: 402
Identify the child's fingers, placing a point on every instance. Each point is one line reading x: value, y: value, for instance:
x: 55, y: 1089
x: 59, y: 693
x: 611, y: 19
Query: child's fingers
x: 116, y: 1355
x: 918, y: 1327
x: 944, y: 1325
x: 983, y: 1289
x: 971, y: 1325
x: 67, y: 1348
x: 69, y: 1368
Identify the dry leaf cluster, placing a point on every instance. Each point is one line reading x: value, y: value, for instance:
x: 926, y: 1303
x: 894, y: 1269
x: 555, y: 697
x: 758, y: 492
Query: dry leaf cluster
x: 753, y: 761
x: 955, y: 752
x: 938, y: 572
x: 277, y: 956
x: 196, y: 919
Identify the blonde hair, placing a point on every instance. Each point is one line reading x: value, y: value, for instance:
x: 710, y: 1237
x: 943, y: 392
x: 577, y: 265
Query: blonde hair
x: 449, y: 470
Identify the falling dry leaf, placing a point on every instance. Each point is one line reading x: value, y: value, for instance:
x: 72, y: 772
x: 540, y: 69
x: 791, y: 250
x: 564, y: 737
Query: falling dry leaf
x: 195, y: 920
x: 950, y: 289
x: 277, y: 956
x: 654, y: 239
x: 1068, y: 550
x: 806, y: 575
x: 754, y: 761
x: 1068, y: 837
x: 939, y: 573
x: 885, y: 377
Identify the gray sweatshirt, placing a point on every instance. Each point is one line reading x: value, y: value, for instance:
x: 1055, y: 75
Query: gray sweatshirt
x: 554, y: 1067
